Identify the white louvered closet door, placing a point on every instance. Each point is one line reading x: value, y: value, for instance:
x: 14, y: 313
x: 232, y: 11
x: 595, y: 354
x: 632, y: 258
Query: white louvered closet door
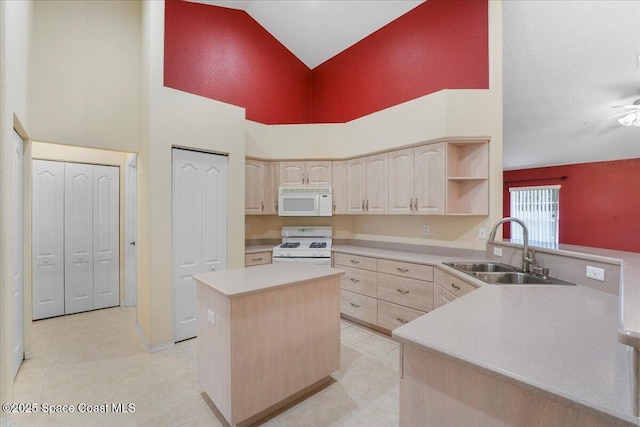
x: 78, y: 238
x: 106, y: 237
x: 48, y: 239
x: 199, y: 229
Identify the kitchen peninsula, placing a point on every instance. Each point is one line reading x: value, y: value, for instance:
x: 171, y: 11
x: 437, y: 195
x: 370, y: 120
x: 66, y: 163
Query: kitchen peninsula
x: 266, y: 335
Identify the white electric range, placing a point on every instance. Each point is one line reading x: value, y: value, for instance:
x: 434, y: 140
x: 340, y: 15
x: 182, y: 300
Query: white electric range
x: 307, y: 244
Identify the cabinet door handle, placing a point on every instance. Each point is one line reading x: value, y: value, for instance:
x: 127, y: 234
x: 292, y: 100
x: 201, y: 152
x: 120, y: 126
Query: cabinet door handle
x: 415, y: 205
x: 411, y: 204
x: 354, y: 305
x: 401, y: 320
x: 334, y: 205
x: 307, y: 179
x: 353, y: 261
x: 402, y: 270
x: 454, y: 286
x: 262, y: 206
x: 256, y: 259
x: 362, y: 204
x: 402, y: 291
x: 276, y: 205
x: 354, y: 280
x: 367, y: 205
x: 303, y: 179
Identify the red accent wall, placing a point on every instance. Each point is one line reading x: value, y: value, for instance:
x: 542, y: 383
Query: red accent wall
x: 441, y: 44
x: 599, y: 202
x: 224, y: 54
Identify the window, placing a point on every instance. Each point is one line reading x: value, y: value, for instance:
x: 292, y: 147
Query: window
x: 538, y: 207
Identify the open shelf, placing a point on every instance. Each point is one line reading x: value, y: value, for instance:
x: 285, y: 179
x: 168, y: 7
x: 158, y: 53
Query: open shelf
x: 467, y: 178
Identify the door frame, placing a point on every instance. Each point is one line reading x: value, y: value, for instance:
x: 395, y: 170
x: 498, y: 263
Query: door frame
x: 130, y: 224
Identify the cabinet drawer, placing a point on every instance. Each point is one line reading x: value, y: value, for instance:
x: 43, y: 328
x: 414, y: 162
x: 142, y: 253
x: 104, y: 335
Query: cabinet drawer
x: 359, y: 306
x: 456, y: 286
x: 356, y: 261
x: 390, y: 316
x: 363, y: 282
x: 442, y: 297
x: 412, y: 293
x: 257, y: 259
x: 406, y: 269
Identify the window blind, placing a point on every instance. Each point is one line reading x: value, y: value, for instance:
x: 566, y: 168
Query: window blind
x: 538, y: 208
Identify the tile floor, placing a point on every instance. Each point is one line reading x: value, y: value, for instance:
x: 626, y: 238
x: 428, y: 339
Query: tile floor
x: 97, y: 357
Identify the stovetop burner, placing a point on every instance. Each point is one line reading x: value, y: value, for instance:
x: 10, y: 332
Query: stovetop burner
x: 318, y: 245
x: 290, y: 245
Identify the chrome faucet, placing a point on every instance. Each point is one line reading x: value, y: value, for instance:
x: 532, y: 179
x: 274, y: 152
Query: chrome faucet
x: 527, y: 260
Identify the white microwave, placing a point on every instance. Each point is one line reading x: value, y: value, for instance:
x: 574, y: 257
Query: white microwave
x: 305, y: 201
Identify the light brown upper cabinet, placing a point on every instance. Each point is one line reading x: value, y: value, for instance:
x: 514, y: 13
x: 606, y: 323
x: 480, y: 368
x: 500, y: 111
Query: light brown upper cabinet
x: 255, y: 174
x: 310, y: 173
x: 271, y: 191
x: 367, y: 184
x: 467, y: 178
x: 338, y: 175
x: 417, y: 180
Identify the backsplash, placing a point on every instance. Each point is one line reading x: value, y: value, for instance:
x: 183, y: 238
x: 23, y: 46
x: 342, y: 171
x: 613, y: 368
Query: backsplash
x: 565, y: 265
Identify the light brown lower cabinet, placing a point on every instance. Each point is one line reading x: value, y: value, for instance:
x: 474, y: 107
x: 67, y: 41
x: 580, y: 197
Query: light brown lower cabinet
x: 258, y: 258
x: 359, y: 306
x: 390, y: 316
x: 442, y: 297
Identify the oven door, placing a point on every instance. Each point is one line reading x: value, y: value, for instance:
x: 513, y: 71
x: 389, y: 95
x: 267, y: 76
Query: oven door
x: 308, y: 260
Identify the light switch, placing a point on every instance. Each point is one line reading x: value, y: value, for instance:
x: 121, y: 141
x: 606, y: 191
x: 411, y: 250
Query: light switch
x: 595, y: 273
x: 497, y: 251
x: 211, y: 317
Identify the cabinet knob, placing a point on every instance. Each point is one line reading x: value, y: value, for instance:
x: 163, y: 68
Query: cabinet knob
x: 213, y: 268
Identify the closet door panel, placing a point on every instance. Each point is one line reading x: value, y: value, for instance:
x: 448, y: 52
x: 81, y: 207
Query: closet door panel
x: 106, y: 235
x: 187, y: 220
x: 214, y: 199
x: 18, y: 238
x: 48, y: 239
x: 78, y: 240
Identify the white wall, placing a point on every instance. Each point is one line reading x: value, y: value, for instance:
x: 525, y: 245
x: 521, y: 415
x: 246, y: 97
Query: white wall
x: 174, y: 118
x: 15, y: 27
x: 85, y: 76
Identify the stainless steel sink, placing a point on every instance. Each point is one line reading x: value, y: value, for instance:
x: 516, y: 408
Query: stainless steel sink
x: 470, y: 267
x: 512, y: 278
x: 495, y: 273
x: 518, y: 278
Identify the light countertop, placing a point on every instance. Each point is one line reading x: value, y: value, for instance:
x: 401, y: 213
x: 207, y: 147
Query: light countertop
x: 258, y: 248
x: 560, y: 340
x: 242, y: 281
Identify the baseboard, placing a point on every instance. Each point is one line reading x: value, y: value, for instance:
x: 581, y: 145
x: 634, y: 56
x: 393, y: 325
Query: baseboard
x: 153, y: 348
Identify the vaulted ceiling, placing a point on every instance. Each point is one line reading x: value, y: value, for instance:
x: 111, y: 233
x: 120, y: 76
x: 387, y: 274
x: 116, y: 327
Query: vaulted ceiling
x: 566, y: 64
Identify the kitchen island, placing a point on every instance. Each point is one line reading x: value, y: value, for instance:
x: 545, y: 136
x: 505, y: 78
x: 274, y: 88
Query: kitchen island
x: 266, y: 335
x: 516, y: 356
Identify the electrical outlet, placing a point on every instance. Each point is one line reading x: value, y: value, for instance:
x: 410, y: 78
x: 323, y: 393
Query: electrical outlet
x: 482, y: 233
x: 211, y: 317
x: 497, y: 251
x: 425, y: 230
x: 366, y: 228
x: 246, y: 227
x: 595, y: 273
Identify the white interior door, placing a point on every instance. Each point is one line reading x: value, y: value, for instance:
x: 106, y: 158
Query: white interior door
x: 106, y: 236
x: 18, y: 237
x: 199, y: 215
x: 214, y: 206
x: 78, y: 238
x: 131, y: 208
x: 48, y: 239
